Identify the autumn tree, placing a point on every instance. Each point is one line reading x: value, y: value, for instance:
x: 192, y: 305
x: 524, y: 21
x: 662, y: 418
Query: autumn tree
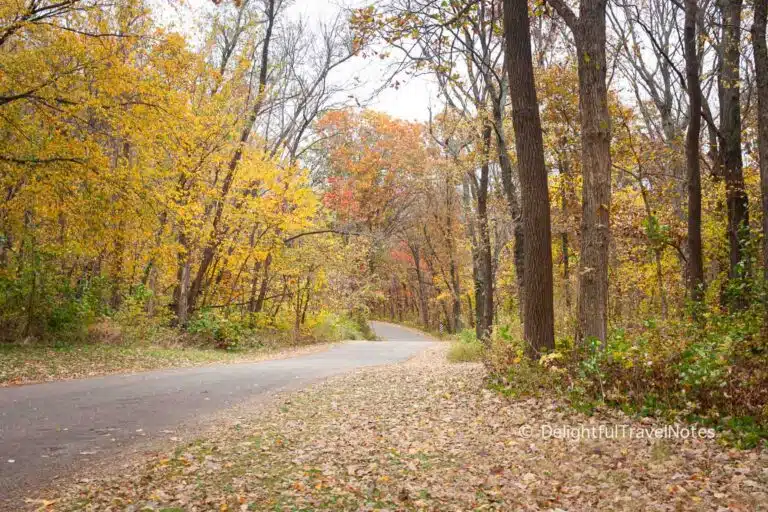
x: 760, y: 50
x: 729, y: 93
x: 589, y: 32
x: 692, y: 154
x: 538, y: 316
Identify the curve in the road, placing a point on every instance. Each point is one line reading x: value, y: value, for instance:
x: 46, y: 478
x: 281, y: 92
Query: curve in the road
x: 46, y: 429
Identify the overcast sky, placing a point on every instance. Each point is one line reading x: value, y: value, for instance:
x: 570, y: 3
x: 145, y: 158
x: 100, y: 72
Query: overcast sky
x: 411, y: 100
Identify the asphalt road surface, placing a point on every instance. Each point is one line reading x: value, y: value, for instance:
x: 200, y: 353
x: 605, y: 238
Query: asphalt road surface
x: 51, y: 429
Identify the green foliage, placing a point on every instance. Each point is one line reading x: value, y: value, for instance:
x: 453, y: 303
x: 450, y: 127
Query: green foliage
x: 467, y: 336
x: 335, y: 327
x: 44, y: 303
x: 466, y: 348
x: 714, y: 372
x: 657, y: 233
x: 218, y: 330
x: 743, y: 432
x: 139, y: 321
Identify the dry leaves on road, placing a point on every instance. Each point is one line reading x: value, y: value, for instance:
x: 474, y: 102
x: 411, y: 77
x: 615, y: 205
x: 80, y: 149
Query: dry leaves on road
x: 32, y: 364
x: 426, y: 435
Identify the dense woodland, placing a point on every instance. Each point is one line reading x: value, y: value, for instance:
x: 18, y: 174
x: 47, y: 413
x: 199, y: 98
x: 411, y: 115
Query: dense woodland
x: 586, y: 205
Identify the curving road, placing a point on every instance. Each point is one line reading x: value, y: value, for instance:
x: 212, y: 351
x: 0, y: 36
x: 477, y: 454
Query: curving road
x: 49, y: 429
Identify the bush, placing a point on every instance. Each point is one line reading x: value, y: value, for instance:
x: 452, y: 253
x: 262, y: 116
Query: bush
x: 467, y: 348
x: 528, y: 379
x: 334, y: 327
x: 136, y: 324
x: 714, y: 372
x: 218, y: 330
x: 42, y: 304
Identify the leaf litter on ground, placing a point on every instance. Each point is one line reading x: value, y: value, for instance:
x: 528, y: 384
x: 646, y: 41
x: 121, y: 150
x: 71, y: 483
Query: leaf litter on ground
x: 33, y: 364
x: 426, y: 435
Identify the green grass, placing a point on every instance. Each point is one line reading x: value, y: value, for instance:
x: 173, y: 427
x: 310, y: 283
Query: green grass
x: 465, y: 352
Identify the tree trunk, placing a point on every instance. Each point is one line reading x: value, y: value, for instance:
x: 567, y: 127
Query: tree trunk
x: 259, y: 305
x: 254, y: 287
x: 692, y: 154
x: 182, y: 309
x: 484, y: 279
x: 589, y: 32
x: 565, y: 177
x: 730, y: 128
x: 761, y: 77
x: 538, y: 316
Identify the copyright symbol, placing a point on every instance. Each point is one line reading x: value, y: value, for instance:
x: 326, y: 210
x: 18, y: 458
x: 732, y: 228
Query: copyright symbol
x: 525, y: 431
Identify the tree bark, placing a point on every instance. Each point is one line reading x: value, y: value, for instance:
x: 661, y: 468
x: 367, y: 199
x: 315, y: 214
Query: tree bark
x: 695, y: 269
x: 589, y: 30
x: 423, y: 308
x: 259, y: 304
x: 453, y: 267
x: 730, y: 128
x: 484, y: 281
x: 538, y: 316
x: 760, y: 48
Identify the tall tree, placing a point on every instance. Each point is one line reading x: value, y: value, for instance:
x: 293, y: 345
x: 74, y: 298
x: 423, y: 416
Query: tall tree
x: 693, y: 172
x: 188, y: 293
x: 588, y: 30
x: 760, y: 49
x: 729, y: 90
x: 538, y: 316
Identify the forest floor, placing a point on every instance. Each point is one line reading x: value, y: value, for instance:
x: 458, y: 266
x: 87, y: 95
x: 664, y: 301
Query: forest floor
x: 26, y: 364
x: 425, y: 435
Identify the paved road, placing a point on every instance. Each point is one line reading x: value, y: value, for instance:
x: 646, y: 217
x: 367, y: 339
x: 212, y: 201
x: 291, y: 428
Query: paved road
x: 49, y: 429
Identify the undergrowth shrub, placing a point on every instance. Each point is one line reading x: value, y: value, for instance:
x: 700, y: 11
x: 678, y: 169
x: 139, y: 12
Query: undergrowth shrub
x: 137, y: 325
x: 713, y: 372
x: 328, y: 326
x: 42, y: 304
x: 218, y: 330
x: 466, y: 348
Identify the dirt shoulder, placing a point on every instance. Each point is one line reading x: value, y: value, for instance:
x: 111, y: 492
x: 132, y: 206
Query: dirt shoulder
x: 426, y: 435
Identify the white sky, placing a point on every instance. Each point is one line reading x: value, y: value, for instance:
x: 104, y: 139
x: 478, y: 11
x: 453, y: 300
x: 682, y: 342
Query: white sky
x: 410, y: 101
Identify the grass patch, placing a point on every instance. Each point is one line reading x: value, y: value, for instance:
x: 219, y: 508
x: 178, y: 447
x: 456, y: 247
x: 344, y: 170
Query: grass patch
x: 466, y: 349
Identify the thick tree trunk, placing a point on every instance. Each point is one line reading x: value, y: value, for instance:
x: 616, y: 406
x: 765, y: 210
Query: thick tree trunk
x: 730, y: 128
x: 760, y: 48
x: 695, y: 269
x: 589, y: 32
x: 596, y: 165
x: 538, y: 316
